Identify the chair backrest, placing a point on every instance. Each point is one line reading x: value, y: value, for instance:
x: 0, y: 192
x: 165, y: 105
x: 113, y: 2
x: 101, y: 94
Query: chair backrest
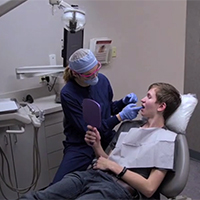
x: 174, y: 182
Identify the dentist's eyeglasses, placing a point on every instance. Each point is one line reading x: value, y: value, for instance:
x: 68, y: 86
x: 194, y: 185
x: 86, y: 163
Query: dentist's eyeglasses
x: 93, y: 73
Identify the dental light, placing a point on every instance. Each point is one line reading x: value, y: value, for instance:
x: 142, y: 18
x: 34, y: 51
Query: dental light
x: 73, y: 18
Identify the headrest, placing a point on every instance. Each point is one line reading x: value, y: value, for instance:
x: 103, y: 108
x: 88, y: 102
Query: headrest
x: 178, y: 121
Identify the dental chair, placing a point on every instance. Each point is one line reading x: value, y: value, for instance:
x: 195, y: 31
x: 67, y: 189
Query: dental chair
x: 174, y: 182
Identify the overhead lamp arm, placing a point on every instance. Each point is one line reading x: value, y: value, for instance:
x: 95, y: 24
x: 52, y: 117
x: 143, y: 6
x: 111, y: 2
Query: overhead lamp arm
x: 60, y: 3
x: 32, y: 71
x: 9, y: 5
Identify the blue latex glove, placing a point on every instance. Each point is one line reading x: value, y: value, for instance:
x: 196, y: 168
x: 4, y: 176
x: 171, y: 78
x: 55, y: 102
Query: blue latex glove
x: 129, y: 112
x: 130, y: 98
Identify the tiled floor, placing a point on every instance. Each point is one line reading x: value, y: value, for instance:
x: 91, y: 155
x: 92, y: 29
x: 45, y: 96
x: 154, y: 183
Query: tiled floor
x: 192, y: 188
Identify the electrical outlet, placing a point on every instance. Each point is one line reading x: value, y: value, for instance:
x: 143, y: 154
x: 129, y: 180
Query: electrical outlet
x: 44, y: 79
x: 114, y: 52
x: 52, y: 59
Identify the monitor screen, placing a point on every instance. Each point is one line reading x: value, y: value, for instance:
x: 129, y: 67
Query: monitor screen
x: 71, y: 43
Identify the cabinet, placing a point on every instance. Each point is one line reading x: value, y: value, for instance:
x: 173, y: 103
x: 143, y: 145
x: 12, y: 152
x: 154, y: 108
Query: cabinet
x: 54, y: 137
x: 18, y: 149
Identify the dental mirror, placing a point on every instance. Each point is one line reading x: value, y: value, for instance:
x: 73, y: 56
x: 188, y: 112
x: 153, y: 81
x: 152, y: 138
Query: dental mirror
x: 92, y: 112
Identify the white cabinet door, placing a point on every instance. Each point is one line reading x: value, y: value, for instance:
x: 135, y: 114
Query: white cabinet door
x: 54, y: 141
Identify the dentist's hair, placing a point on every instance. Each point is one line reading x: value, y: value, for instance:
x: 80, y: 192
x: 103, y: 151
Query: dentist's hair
x: 168, y: 94
x: 67, y: 75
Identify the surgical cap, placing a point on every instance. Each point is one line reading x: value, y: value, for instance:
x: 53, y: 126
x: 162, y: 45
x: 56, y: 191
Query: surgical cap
x: 82, y: 61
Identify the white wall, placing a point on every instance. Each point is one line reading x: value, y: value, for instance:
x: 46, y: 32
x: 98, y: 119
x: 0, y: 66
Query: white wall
x: 149, y: 37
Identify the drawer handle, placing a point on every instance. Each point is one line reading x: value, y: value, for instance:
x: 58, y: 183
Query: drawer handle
x: 16, y: 131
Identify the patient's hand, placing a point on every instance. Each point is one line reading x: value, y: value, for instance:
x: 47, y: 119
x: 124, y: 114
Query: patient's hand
x: 102, y: 163
x: 92, y: 137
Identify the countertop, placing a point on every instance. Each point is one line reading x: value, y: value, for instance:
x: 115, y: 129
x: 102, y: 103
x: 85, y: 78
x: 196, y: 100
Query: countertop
x: 46, y: 104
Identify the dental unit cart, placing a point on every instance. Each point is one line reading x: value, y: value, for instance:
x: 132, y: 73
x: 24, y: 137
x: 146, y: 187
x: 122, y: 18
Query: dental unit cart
x: 31, y: 138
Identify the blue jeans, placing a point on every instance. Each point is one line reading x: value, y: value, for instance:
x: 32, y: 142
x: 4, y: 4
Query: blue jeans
x: 85, y: 185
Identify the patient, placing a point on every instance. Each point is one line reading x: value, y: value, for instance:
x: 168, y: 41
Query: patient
x: 120, y: 175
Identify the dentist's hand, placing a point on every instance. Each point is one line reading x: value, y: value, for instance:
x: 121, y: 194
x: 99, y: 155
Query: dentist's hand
x: 129, y: 112
x: 130, y: 98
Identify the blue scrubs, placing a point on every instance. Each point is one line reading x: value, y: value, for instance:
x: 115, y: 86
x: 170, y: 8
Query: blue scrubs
x: 77, y: 154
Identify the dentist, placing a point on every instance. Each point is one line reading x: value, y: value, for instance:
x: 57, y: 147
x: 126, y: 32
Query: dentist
x: 83, y: 80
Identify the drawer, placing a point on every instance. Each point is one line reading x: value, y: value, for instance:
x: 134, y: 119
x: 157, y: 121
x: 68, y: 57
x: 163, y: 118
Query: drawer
x: 54, y: 129
x: 54, y: 143
x: 53, y: 118
x: 54, y: 159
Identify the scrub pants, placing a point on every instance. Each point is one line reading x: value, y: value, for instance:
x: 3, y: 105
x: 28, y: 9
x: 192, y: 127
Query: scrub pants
x: 85, y: 185
x: 76, y: 158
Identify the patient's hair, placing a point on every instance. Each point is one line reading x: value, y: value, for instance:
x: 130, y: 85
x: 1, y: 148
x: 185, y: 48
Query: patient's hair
x: 68, y: 74
x: 166, y: 93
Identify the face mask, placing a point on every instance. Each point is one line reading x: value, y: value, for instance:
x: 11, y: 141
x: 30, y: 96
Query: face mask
x: 93, y: 81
